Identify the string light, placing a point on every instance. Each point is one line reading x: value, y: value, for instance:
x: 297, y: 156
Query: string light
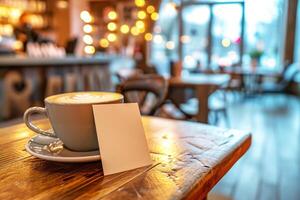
x: 142, y: 30
x: 148, y: 36
x: 87, y: 39
x: 124, y: 28
x: 86, y: 16
x: 141, y: 14
x: 112, y: 15
x: 139, y: 3
x: 111, y: 37
x: 87, y: 28
x: 134, y: 31
x: 104, y: 43
x: 112, y: 26
x: 140, y: 24
x: 89, y: 49
x: 150, y: 9
x: 154, y: 16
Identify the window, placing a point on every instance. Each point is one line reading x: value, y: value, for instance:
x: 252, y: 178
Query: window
x: 212, y: 33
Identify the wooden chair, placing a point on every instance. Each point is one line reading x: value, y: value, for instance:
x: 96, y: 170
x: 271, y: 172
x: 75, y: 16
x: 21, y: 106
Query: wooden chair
x: 149, y: 91
x: 282, y: 85
x: 217, y: 108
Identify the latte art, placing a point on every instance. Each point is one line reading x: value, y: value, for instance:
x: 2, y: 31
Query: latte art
x: 84, y: 97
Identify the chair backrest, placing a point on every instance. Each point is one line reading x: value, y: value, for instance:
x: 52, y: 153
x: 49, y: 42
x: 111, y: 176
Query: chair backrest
x: 149, y: 91
x: 291, y: 71
x: 126, y: 73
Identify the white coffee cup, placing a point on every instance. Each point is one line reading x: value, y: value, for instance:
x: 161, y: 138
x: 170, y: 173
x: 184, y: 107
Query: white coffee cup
x: 71, y: 117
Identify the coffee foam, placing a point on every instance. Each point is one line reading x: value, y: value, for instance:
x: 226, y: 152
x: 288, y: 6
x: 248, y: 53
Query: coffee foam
x: 84, y: 98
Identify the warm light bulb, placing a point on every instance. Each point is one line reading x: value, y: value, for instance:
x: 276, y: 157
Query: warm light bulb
x: 124, y: 28
x: 104, y: 43
x: 18, y: 45
x: 86, y: 16
x: 87, y: 39
x: 112, y: 15
x: 148, y: 36
x: 139, y: 3
x: 140, y: 24
x: 89, y: 49
x: 111, y: 37
x: 134, y: 31
x: 111, y: 26
x: 141, y: 14
x: 150, y: 9
x: 87, y: 28
x: 154, y: 16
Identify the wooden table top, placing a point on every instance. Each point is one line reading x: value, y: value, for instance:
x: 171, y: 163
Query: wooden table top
x: 258, y: 71
x: 194, y: 80
x: 190, y: 159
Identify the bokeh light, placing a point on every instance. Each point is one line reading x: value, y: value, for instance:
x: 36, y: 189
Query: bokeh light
x: 226, y: 42
x: 89, y: 49
x: 134, y: 31
x: 124, y: 28
x: 87, y: 39
x: 150, y: 9
x: 139, y: 3
x: 112, y: 15
x: 148, y: 36
x: 86, y: 16
x: 112, y: 37
x: 141, y: 14
x: 112, y: 26
x: 154, y: 16
x: 87, y: 28
x: 170, y: 45
x: 104, y: 43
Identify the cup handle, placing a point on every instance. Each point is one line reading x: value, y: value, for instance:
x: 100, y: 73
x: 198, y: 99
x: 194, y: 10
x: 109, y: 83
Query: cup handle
x: 31, y: 126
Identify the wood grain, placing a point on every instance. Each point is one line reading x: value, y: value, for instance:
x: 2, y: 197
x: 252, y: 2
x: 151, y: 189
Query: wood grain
x: 190, y: 159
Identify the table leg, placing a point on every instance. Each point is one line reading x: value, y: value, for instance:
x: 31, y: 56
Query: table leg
x: 203, y: 110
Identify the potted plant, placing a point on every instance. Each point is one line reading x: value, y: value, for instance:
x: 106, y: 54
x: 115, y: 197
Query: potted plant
x: 255, y: 56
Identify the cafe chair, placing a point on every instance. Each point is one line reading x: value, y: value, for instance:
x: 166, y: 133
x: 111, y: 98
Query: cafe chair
x: 217, y: 104
x: 149, y: 91
x: 126, y: 73
x: 288, y: 75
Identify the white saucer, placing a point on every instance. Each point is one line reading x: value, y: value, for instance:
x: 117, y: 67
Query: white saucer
x: 38, y: 146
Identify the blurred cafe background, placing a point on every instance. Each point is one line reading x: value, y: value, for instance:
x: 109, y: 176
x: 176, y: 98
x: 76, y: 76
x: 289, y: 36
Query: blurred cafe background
x: 228, y: 63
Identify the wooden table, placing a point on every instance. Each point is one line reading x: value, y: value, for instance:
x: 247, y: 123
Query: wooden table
x: 204, y: 85
x: 251, y: 78
x: 190, y: 159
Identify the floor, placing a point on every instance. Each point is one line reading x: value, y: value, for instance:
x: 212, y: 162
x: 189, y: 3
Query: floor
x: 271, y: 167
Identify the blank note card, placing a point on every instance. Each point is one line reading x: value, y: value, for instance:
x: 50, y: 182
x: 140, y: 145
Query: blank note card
x: 121, y: 137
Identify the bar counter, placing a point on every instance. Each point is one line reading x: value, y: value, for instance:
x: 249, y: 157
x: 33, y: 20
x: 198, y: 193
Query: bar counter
x: 24, y: 61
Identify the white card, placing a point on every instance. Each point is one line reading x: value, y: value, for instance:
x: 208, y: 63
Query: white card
x: 121, y: 137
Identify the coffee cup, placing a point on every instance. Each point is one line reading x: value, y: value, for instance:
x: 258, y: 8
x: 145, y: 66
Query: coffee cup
x: 71, y: 117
